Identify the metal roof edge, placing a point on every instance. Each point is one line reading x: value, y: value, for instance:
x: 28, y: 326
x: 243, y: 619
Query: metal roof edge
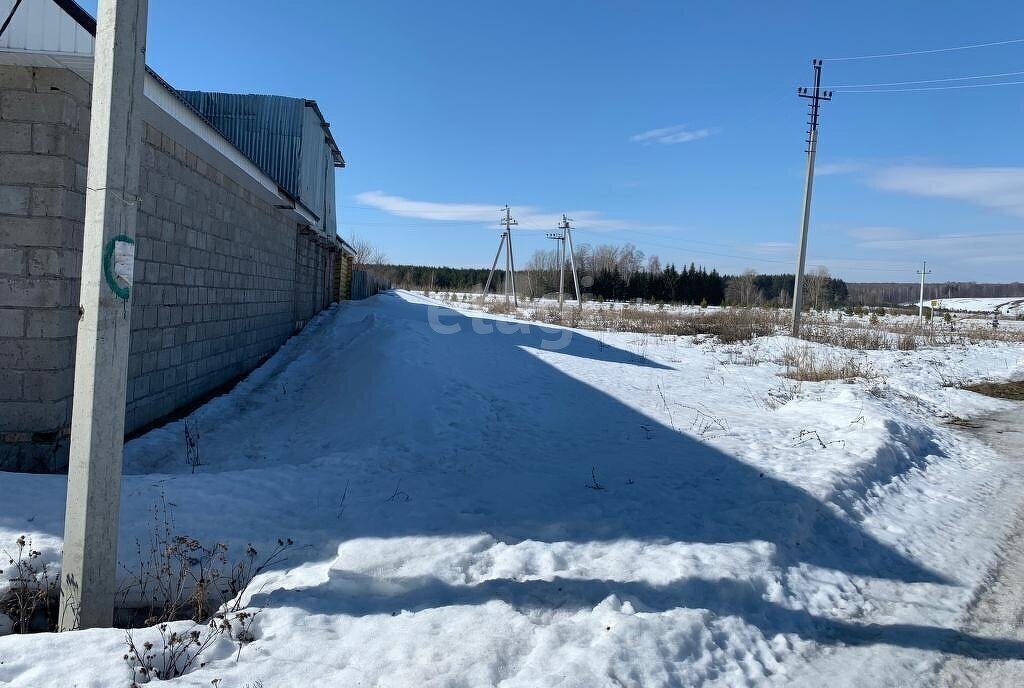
x: 88, y: 23
x: 339, y: 159
x: 345, y: 246
x: 78, y: 13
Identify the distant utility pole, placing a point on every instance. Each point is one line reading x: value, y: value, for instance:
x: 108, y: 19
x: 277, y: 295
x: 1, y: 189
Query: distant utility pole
x: 510, y: 264
x: 920, y: 305
x: 560, y: 257
x: 815, y: 95
x: 566, y: 227
x: 562, y: 237
x: 101, y: 362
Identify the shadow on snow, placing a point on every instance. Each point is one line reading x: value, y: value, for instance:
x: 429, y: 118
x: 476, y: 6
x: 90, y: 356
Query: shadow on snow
x: 657, y: 485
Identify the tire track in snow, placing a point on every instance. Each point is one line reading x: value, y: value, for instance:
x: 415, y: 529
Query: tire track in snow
x: 998, y: 606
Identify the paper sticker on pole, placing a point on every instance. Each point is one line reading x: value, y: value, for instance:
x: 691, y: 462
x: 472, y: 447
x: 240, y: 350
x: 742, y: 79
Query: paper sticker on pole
x: 119, y: 265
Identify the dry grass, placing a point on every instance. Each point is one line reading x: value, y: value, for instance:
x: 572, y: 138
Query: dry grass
x: 903, y: 335
x: 1001, y: 390
x: 805, y: 365
x: 500, y: 308
x: 728, y: 324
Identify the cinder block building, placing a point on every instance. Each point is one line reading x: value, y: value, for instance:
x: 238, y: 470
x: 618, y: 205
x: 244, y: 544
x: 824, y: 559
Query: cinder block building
x: 237, y: 244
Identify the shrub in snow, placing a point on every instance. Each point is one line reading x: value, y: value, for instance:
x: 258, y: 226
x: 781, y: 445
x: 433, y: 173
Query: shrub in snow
x: 31, y: 590
x: 173, y: 653
x: 802, y: 364
x: 180, y: 577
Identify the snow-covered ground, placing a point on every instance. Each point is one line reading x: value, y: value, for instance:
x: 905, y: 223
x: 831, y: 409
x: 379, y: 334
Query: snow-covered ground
x: 968, y: 312
x: 481, y: 502
x: 1004, y: 305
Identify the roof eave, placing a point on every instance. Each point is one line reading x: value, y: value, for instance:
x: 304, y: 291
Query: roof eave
x: 339, y: 160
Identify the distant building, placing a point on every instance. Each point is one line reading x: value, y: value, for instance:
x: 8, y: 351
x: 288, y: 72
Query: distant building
x: 236, y: 240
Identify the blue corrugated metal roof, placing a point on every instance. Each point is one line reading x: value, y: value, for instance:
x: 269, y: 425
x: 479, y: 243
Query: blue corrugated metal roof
x: 275, y: 132
x: 268, y: 129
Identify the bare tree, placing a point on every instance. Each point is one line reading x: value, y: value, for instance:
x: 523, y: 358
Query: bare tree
x: 367, y: 254
x: 542, y: 271
x: 817, y: 287
x: 742, y: 290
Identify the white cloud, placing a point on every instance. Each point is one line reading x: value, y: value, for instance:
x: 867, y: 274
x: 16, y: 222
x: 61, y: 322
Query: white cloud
x: 528, y: 217
x: 878, y: 233
x: 679, y: 133
x: 948, y: 249
x: 773, y: 247
x: 838, y: 167
x: 428, y: 210
x: 999, y: 188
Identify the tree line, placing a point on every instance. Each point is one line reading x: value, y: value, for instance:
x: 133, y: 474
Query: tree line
x: 888, y: 293
x: 623, y: 273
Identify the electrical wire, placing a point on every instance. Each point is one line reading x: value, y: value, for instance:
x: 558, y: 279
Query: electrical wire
x: 751, y: 259
x: 927, y: 81
x: 924, y: 52
x: 616, y: 235
x: 930, y: 88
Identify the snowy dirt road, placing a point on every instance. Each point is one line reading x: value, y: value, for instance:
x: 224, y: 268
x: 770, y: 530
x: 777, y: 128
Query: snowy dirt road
x: 481, y: 502
x: 998, y: 610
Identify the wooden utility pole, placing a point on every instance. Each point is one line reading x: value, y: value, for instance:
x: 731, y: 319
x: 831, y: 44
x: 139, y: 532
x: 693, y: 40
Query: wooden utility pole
x: 101, y: 362
x: 816, y: 95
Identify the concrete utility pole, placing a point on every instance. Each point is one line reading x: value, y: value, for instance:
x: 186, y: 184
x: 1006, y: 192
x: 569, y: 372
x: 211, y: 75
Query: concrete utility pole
x: 560, y: 257
x: 567, y: 230
x: 101, y: 362
x: 920, y: 305
x: 561, y: 238
x: 510, y: 264
x: 816, y: 95
x: 510, y: 270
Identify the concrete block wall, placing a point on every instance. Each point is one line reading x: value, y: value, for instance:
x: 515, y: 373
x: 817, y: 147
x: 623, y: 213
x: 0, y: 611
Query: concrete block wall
x: 314, y: 270
x: 44, y: 130
x: 222, y: 278
x: 215, y: 281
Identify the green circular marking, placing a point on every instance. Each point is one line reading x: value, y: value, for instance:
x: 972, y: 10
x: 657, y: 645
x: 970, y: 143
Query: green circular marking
x: 108, y: 268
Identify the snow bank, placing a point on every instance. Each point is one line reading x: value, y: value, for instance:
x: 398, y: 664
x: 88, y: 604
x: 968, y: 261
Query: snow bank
x: 478, y: 501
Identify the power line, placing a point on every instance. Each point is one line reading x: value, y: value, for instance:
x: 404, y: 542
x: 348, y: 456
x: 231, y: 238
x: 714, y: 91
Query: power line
x: 751, y: 259
x: 616, y: 235
x: 929, y: 81
x: 925, y: 52
x: 933, y: 88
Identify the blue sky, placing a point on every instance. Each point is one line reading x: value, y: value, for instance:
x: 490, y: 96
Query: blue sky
x: 671, y: 125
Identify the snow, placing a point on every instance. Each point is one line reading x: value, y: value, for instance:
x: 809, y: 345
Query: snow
x: 1004, y: 305
x: 477, y: 501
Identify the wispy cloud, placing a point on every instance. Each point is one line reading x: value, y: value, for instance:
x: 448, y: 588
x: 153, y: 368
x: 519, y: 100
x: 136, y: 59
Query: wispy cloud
x: 679, y: 133
x: 878, y: 233
x: 772, y: 248
x: 958, y: 244
x: 952, y: 248
x: 998, y: 188
x: 839, y: 167
x: 485, y: 213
